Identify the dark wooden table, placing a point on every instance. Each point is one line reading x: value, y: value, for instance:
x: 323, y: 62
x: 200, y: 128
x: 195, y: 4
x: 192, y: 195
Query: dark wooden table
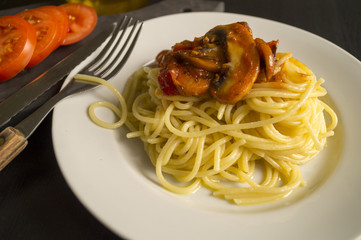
x: 35, y: 201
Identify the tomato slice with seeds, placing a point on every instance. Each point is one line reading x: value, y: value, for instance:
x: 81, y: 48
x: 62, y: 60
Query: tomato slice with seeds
x: 17, y: 44
x: 61, y: 19
x: 82, y: 21
x: 47, y: 33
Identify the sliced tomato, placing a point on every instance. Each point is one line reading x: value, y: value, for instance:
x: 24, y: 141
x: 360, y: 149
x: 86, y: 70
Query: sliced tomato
x: 82, y: 21
x: 17, y: 44
x: 47, y: 33
x: 61, y: 19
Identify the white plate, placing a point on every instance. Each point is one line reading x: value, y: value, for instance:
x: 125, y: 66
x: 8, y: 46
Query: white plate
x: 113, y: 178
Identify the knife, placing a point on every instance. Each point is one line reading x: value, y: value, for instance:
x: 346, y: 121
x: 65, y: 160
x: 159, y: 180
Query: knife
x: 26, y: 95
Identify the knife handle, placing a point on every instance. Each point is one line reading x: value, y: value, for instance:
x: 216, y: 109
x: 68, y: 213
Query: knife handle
x: 12, y: 142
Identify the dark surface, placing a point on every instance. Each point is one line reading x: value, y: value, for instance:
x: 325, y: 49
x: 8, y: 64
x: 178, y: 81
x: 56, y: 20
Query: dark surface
x: 35, y: 201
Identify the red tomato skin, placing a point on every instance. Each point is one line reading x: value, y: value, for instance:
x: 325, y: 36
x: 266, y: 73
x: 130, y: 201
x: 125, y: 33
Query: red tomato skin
x: 47, y: 33
x: 61, y: 19
x: 14, y: 62
x: 166, y: 83
x: 82, y: 21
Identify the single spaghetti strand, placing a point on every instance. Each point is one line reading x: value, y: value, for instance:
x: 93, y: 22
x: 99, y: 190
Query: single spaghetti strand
x: 120, y: 112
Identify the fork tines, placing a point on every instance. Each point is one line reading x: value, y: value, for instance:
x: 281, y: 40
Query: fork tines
x: 117, y: 50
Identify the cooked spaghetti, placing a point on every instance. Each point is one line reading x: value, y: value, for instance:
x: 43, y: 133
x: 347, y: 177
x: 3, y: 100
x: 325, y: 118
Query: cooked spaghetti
x: 248, y: 152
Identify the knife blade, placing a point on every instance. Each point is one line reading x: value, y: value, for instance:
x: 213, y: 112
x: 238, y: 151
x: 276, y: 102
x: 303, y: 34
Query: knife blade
x: 30, y: 92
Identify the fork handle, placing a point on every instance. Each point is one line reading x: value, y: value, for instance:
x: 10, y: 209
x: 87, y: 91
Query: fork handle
x: 12, y: 142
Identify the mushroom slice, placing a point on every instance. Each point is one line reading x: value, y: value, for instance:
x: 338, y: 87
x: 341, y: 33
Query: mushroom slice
x: 267, y: 56
x: 209, y: 58
x: 242, y: 62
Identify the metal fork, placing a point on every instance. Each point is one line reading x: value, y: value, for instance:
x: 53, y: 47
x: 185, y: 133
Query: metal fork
x: 105, y: 65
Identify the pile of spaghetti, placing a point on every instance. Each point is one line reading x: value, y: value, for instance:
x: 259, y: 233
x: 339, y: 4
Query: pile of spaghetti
x: 248, y: 152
